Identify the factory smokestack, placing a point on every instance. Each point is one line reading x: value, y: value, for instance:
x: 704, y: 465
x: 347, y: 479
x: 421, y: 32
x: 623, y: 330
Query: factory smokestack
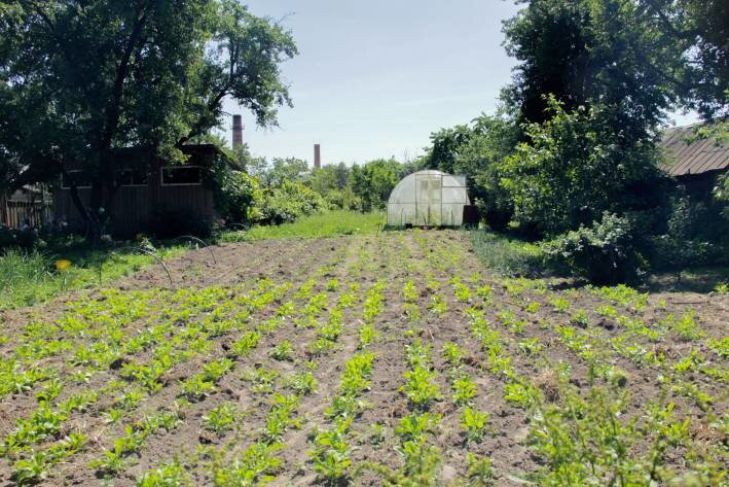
x: 317, y: 156
x: 237, y: 131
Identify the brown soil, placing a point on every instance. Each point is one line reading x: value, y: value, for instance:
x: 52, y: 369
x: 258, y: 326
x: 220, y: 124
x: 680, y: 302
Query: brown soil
x: 392, y: 258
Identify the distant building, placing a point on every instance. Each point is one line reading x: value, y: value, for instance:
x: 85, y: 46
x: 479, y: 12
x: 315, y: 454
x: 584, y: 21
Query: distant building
x: 696, y: 165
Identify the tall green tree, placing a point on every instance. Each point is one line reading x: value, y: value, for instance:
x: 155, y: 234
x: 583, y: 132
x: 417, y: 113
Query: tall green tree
x: 476, y: 151
x: 584, y: 52
x: 574, y: 167
x: 82, y: 79
x: 699, y: 30
x: 373, y: 182
x: 285, y: 169
x: 593, y: 84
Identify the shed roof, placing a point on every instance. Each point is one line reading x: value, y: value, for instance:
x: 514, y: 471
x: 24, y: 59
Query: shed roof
x: 684, y: 158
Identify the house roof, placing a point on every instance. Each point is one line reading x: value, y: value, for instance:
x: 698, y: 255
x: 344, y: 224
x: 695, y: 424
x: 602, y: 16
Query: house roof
x: 684, y: 157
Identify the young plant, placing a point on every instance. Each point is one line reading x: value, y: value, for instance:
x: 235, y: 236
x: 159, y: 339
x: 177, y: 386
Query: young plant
x: 474, y: 422
x: 282, y: 351
x: 302, y: 383
x: 221, y: 418
x: 464, y: 389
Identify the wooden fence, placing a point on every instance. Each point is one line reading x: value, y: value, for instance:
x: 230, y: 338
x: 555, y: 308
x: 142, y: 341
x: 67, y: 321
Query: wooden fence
x: 16, y: 214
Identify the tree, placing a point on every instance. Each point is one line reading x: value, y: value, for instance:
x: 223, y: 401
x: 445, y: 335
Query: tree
x: 574, y: 167
x: 332, y: 182
x: 285, y: 169
x: 475, y: 151
x: 447, y: 145
x: 584, y: 52
x: 594, y: 80
x: 82, y: 79
x: 699, y: 30
x: 373, y: 182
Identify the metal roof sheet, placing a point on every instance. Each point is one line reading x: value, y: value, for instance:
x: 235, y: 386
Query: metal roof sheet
x: 683, y: 157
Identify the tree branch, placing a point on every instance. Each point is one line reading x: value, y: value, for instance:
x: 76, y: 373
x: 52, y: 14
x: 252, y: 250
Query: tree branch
x: 666, y: 21
x: 114, y: 107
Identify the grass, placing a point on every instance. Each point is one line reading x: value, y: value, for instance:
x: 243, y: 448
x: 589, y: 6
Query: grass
x: 329, y: 224
x: 30, y: 278
x: 507, y: 255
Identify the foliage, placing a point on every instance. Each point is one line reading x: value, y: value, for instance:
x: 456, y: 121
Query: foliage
x: 26, y: 239
x: 695, y: 236
x: 373, y: 181
x: 604, y: 252
x: 577, y: 166
x: 29, y: 278
x: 475, y: 151
x: 282, y: 170
x: 238, y: 196
x: 333, y: 183
x: 589, y: 52
x: 291, y: 200
x: 698, y: 30
x: 102, y: 75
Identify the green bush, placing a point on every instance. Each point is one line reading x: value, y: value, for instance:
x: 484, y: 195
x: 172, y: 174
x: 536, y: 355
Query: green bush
x: 604, y: 253
x: 694, y: 236
x: 239, y: 199
x: 578, y: 165
x: 372, y: 182
x: 289, y: 201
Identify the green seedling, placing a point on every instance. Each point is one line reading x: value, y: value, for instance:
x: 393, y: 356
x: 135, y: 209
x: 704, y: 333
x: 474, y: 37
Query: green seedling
x: 474, y: 422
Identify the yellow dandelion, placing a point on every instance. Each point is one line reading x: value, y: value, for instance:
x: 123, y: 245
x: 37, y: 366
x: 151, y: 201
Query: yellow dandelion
x: 63, y: 265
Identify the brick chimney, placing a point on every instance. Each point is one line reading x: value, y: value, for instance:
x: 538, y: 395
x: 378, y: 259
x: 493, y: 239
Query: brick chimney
x: 237, y: 131
x: 317, y: 156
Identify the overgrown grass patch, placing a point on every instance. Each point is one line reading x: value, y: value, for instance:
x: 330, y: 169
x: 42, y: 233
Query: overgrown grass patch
x: 30, y: 278
x: 328, y: 224
x: 508, y: 255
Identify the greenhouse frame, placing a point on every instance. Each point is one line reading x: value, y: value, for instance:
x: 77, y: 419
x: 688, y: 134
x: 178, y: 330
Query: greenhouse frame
x: 429, y: 199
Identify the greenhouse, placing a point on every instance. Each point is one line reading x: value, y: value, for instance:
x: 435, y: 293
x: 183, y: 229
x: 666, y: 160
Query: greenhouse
x: 428, y: 198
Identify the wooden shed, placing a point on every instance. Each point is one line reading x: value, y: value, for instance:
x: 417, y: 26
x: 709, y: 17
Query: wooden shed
x: 148, y: 191
x: 696, y: 164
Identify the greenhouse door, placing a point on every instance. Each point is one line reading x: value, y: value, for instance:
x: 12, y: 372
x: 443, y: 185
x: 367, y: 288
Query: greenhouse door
x: 428, y: 200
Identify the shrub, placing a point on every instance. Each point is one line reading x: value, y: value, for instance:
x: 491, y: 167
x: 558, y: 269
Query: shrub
x: 289, y: 201
x: 604, y: 253
x: 239, y: 198
x: 693, y: 236
x: 578, y: 165
x: 373, y: 182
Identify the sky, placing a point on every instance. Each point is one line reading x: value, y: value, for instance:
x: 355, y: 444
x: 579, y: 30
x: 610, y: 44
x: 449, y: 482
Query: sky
x: 374, y: 79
